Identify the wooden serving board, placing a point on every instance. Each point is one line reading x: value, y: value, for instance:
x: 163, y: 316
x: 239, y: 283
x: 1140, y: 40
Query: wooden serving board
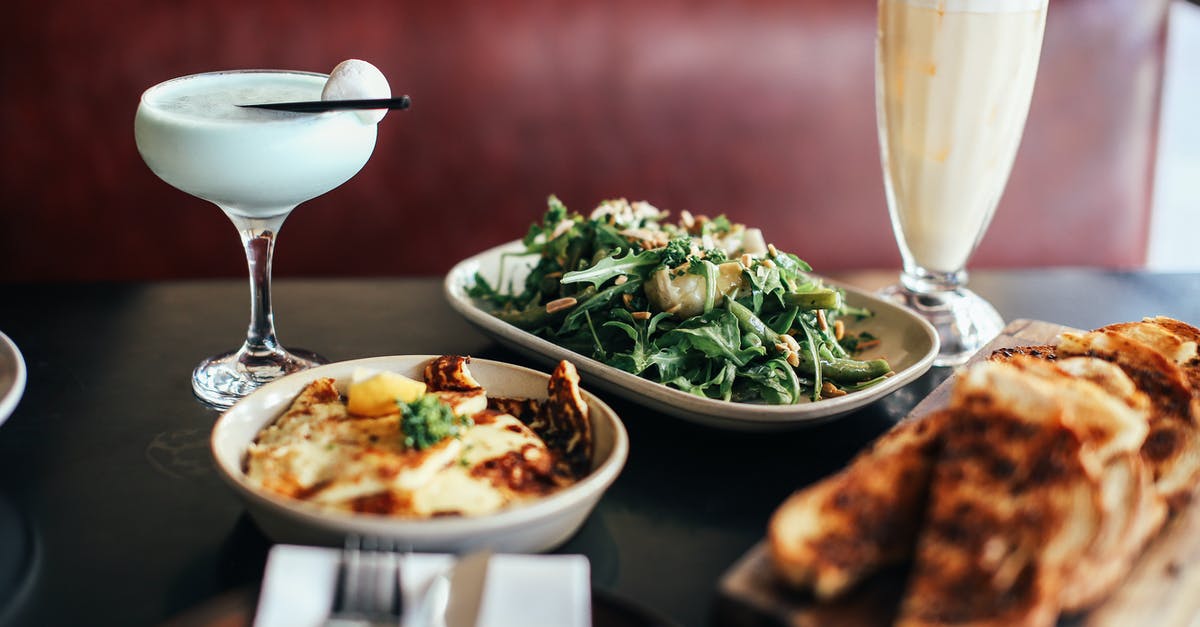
x: 1163, y: 589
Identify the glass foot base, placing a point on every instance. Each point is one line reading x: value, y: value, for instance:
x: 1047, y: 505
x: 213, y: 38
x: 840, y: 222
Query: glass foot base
x: 223, y: 380
x: 964, y: 321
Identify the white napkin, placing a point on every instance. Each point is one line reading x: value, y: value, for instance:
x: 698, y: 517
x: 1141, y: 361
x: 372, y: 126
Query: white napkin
x: 526, y: 590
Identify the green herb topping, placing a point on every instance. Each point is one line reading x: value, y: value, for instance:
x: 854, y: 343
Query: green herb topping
x: 427, y: 421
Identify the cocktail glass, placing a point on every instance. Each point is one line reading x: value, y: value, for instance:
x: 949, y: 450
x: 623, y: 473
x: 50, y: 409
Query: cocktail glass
x: 953, y: 83
x: 255, y: 165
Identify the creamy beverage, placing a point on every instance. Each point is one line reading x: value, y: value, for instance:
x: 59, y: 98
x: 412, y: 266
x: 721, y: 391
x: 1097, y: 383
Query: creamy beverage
x: 953, y: 85
x: 257, y: 165
x: 252, y: 162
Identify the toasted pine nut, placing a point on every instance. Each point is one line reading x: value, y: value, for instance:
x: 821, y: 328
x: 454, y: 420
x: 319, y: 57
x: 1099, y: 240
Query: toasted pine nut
x: 821, y: 321
x: 641, y: 315
x: 768, y: 263
x: 839, y: 330
x: 626, y: 298
x: 831, y: 390
x: 771, y: 250
x: 791, y: 343
x: 782, y: 347
x: 621, y: 280
x: 560, y: 304
x: 794, y: 359
x: 747, y: 259
x: 686, y: 219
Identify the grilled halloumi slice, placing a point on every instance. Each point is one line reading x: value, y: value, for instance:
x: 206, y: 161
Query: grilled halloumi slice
x: 833, y: 534
x: 1017, y: 500
x: 450, y: 373
x: 1172, y: 446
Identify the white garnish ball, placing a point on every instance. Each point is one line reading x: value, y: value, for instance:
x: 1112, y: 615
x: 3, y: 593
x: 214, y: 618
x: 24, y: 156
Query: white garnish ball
x: 354, y: 79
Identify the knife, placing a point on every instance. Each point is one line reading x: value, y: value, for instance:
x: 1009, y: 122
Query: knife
x: 466, y: 589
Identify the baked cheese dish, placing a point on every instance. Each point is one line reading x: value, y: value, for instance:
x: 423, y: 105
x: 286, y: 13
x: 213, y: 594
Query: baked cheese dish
x: 438, y: 449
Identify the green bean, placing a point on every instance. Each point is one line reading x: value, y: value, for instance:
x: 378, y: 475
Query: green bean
x: 529, y: 318
x: 832, y: 342
x: 836, y: 369
x: 751, y: 323
x: 845, y: 370
x: 822, y: 298
x: 810, y: 354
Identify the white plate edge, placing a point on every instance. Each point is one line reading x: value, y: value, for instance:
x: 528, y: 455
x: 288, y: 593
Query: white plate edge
x: 12, y: 396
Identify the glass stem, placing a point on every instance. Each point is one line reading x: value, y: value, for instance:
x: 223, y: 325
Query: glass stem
x: 258, y: 237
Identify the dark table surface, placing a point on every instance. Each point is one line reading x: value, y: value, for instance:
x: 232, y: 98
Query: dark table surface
x: 111, y: 512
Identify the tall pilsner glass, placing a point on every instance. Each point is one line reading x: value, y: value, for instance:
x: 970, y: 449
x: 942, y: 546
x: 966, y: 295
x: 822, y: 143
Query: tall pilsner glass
x: 953, y: 82
x: 255, y: 165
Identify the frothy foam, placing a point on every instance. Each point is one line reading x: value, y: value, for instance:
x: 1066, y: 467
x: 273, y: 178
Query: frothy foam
x: 216, y: 96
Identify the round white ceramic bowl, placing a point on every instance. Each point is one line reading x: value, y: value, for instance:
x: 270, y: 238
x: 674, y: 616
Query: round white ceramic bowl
x: 533, y: 527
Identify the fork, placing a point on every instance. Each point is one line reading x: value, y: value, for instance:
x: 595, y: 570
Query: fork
x: 368, y: 585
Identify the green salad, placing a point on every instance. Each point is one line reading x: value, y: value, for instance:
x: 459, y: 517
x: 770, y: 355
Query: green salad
x: 701, y: 305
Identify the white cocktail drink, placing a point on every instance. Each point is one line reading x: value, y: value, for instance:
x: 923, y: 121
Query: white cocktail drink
x: 256, y: 165
x: 954, y: 79
x: 251, y: 162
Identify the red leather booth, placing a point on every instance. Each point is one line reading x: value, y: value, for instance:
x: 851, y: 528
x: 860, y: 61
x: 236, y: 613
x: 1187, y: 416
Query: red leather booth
x: 763, y: 110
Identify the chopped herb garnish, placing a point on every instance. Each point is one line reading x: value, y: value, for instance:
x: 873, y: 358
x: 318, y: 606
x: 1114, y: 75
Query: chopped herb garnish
x: 427, y: 421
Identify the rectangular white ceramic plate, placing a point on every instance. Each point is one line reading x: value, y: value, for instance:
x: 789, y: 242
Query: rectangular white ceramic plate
x: 906, y: 341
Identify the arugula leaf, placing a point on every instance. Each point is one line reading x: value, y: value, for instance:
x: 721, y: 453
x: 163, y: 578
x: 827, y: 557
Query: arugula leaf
x: 591, y: 300
x: 764, y: 278
x: 671, y: 362
x: 811, y: 347
x: 716, y: 334
x: 556, y: 212
x: 638, y: 358
x: 614, y: 266
x: 774, y: 382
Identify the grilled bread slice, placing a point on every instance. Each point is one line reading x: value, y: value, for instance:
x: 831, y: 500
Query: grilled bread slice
x: 1017, y: 500
x: 1157, y: 336
x: 1190, y: 367
x: 834, y: 533
x: 1105, y: 432
x: 1042, y: 351
x: 1131, y: 510
x: 1172, y: 447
